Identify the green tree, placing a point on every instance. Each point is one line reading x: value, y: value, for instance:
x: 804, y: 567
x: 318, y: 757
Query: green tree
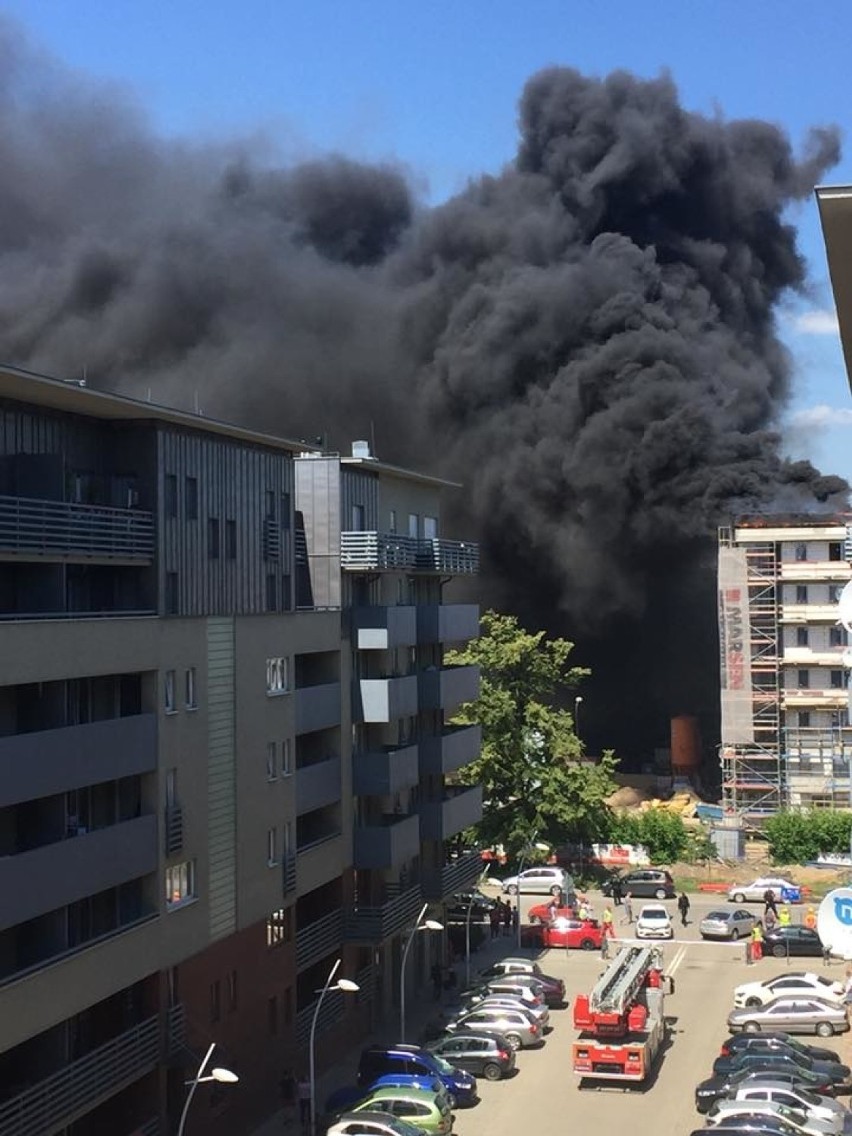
x: 530, y: 767
x: 796, y: 836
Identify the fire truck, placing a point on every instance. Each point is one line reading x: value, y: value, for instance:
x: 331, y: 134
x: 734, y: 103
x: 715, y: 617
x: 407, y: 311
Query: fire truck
x: 622, y: 1022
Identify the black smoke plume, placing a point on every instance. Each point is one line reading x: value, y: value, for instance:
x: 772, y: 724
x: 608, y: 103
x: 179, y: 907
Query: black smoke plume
x: 587, y: 338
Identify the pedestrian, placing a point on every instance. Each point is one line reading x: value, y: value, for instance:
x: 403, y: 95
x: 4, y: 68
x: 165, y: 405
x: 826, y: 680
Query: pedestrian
x: 683, y: 907
x: 810, y: 919
x: 770, y: 921
x: 784, y: 916
x: 582, y: 908
x: 628, y: 908
x: 616, y: 891
x: 756, y: 943
x: 516, y: 915
x: 769, y: 903
x: 494, y: 919
x: 507, y: 917
x: 303, y: 1095
x: 606, y: 923
x: 604, y: 946
x: 552, y: 909
x: 437, y: 978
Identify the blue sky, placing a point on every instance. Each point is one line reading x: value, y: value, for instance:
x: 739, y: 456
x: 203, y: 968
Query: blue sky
x: 434, y: 86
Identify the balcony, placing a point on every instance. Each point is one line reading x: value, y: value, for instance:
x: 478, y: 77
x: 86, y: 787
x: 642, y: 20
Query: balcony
x: 457, y: 875
x: 809, y: 613
x: 64, y: 531
x: 833, y: 698
x: 462, y: 807
x: 447, y: 623
x: 317, y: 785
x: 55, y: 761
x: 318, y: 939
x: 317, y: 707
x: 836, y: 571
x: 384, y: 772
x: 55, y: 1102
x: 383, y: 628
x: 387, y: 844
x: 831, y: 657
x: 319, y: 862
x: 373, y: 923
x: 43, y: 879
x: 392, y: 552
x: 450, y: 751
x: 385, y: 699
x: 173, y: 829
x: 447, y: 688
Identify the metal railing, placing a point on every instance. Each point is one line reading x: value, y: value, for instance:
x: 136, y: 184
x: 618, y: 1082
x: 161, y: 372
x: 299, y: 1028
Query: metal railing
x: 331, y: 1012
x: 31, y: 525
x: 371, y: 923
x: 149, y: 1128
x: 392, y: 551
x: 173, y: 829
x: 318, y: 939
x: 78, y: 1087
x: 175, y: 1029
x: 457, y: 875
x: 26, y: 616
x: 288, y: 872
x: 271, y: 540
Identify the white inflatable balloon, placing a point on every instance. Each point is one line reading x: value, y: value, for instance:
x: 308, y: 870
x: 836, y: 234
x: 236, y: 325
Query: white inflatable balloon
x: 844, y: 607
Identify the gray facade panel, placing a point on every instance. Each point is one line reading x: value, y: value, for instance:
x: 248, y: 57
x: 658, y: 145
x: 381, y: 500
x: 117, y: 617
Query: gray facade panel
x: 317, y: 785
x: 385, y: 772
x: 55, y: 761
x: 55, y: 875
x: 385, y: 699
x: 386, y: 845
x: 221, y: 778
x: 450, y: 751
x: 439, y: 820
x: 447, y: 623
x: 360, y: 500
x: 317, y: 482
x: 448, y: 688
x: 382, y: 628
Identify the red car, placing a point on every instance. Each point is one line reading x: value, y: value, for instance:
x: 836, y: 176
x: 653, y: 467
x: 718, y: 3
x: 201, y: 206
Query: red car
x: 572, y: 934
x: 543, y: 913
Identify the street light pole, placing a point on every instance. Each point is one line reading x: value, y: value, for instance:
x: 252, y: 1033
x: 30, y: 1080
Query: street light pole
x: 223, y: 1076
x: 349, y: 987
x: 577, y: 701
x: 479, y: 884
x: 420, y: 925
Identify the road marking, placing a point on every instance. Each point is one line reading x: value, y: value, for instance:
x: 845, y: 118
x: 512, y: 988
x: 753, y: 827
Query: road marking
x: 676, y: 961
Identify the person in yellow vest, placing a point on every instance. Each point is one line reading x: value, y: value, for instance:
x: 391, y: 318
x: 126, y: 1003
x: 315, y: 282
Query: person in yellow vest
x: 756, y: 943
x: 784, y: 916
x: 606, y: 924
x: 810, y: 918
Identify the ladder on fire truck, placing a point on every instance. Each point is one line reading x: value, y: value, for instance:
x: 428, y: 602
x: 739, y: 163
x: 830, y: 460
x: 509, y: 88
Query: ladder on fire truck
x: 618, y: 987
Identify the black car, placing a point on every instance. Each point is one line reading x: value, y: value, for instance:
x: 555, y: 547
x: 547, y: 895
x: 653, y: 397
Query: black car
x: 784, y: 1060
x: 781, y: 942
x: 741, y: 1042
x: 486, y: 1055
x: 643, y: 883
x: 717, y: 1088
x: 480, y: 907
x: 550, y: 988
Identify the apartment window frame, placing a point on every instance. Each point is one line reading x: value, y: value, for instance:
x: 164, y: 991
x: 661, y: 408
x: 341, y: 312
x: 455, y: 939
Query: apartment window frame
x: 170, y: 496
x: 169, y: 691
x: 190, y: 689
x: 286, y: 511
x: 392, y: 521
x: 214, y: 538
x: 272, y: 847
x: 803, y: 679
x: 414, y: 525
x: 279, y: 927
x: 834, y: 591
x: 430, y: 528
x: 801, y: 553
x: 838, y: 636
x: 269, y: 504
x: 835, y: 550
x: 801, y: 636
x: 181, y: 884
x: 804, y: 719
x: 801, y: 593
x: 272, y: 761
x: 190, y: 491
x: 836, y: 679
x: 286, y: 758
x: 278, y: 675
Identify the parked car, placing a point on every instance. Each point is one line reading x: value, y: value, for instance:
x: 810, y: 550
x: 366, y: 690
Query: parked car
x: 792, y: 984
x: 757, y: 889
x: 654, y: 922
x: 528, y: 973
x: 643, y: 883
x: 542, y: 879
x: 366, y: 1123
x: 793, y: 1015
x: 798, y: 1120
x: 547, y: 913
x: 514, y: 1025
x: 753, y: 1126
x: 535, y: 1011
x: 820, y: 1107
x: 350, y: 1096
x: 778, y: 1039
x: 782, y: 942
x: 483, y: 1054
x: 418, y: 1106
x: 480, y: 907
x: 796, y: 1077
x: 572, y: 934
x: 378, y: 1060
x: 829, y: 1072
x: 727, y: 924
x: 531, y: 992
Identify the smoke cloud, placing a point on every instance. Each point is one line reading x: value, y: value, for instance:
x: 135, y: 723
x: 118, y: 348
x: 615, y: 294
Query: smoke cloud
x: 586, y: 338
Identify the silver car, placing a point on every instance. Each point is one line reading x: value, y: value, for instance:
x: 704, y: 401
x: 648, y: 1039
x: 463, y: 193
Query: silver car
x: 515, y: 1026
x: 757, y: 889
x: 770, y: 1091
x: 728, y: 924
x: 791, y: 1015
x: 725, y: 1112
x: 536, y: 1013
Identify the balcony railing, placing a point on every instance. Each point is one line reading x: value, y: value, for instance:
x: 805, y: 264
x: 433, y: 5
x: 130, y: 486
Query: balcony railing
x: 331, y: 1012
x: 376, y: 551
x: 318, y: 939
x: 456, y: 875
x: 288, y: 870
x: 32, y: 527
x: 368, y: 923
x: 60, y: 1099
x: 173, y: 828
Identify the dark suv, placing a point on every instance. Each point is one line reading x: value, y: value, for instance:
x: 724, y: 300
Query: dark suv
x: 487, y: 1055
x: 644, y: 883
x: 413, y: 1059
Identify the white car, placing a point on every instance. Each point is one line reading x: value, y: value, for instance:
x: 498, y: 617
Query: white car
x: 793, y: 984
x: 372, y: 1124
x: 757, y: 889
x: 802, y: 1122
x: 768, y: 1091
x: 654, y: 922
x: 542, y: 880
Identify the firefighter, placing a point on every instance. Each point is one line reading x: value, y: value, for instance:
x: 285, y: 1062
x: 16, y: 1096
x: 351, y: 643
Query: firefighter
x: 810, y: 918
x: 606, y: 924
x: 756, y: 943
x: 784, y: 916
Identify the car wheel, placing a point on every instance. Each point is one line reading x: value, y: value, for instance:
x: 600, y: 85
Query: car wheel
x: 825, y: 1029
x: 587, y: 945
x: 738, y: 897
x: 752, y: 1027
x: 492, y: 1072
x: 555, y: 890
x: 660, y: 893
x: 778, y: 951
x: 514, y: 1040
x: 734, y: 934
x: 752, y: 1002
x: 512, y: 889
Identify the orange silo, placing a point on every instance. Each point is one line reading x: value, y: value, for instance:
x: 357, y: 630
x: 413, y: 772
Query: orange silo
x: 686, y: 745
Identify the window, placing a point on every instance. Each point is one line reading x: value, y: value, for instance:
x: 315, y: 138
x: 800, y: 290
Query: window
x: 272, y: 1015
x: 286, y: 767
x: 171, y: 788
x: 171, y: 596
x: 232, y: 991
x: 271, y: 847
x: 801, y: 636
x: 801, y: 552
x: 358, y: 518
x: 270, y: 505
x: 180, y: 883
x: 215, y: 1000
x: 804, y: 719
x: 430, y: 528
x: 413, y: 525
x: 271, y: 761
x: 835, y: 550
x: 277, y: 675
x: 271, y: 590
x: 838, y: 637
x: 231, y: 539
x: 213, y: 538
x: 837, y: 680
x: 392, y: 521
x: 834, y: 591
x: 804, y: 680
x: 801, y: 593
x: 191, y: 702
x: 170, y: 496
x: 191, y: 498
x: 279, y: 927
x: 286, y: 510
x: 169, y: 692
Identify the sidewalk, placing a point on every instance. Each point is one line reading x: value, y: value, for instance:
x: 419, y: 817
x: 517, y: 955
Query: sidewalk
x: 420, y: 1012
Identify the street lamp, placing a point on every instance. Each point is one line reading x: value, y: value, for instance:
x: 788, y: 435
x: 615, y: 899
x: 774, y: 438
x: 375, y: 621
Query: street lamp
x: 348, y: 987
x: 223, y: 1076
x: 577, y: 702
x: 479, y: 884
x: 421, y: 925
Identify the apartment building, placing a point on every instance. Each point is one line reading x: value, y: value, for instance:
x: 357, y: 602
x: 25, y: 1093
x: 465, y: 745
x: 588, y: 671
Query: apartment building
x: 786, y: 737
x: 182, y: 734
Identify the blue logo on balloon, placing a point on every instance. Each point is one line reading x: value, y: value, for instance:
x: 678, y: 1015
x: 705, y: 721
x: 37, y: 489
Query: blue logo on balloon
x: 843, y: 910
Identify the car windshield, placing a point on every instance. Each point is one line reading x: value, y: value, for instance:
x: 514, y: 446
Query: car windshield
x: 443, y: 1066
x: 655, y: 913
x: 720, y: 915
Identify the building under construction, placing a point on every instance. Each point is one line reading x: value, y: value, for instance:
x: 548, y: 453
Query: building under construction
x: 785, y: 659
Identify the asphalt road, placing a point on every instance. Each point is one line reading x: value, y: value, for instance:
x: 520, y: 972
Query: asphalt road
x: 544, y: 1097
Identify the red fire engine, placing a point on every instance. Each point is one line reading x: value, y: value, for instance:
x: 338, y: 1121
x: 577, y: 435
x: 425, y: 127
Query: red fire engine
x: 622, y: 1022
